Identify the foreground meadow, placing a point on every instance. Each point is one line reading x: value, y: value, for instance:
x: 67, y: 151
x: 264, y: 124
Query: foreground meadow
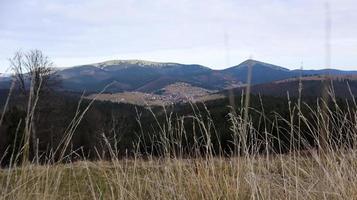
x: 309, y: 176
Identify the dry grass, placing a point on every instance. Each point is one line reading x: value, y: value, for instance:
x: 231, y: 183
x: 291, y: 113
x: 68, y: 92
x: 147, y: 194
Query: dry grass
x: 332, y: 176
x: 330, y: 173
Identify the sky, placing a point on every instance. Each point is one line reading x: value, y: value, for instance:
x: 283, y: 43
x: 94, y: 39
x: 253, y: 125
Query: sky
x: 214, y: 33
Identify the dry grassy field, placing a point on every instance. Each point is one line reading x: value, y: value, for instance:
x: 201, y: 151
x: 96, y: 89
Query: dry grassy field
x: 314, y: 176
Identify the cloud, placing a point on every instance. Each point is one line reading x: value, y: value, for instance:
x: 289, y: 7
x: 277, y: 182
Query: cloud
x: 216, y: 33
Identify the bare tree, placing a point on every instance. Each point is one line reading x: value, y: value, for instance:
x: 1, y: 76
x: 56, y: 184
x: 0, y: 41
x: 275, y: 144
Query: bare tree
x: 32, y: 68
x: 34, y: 74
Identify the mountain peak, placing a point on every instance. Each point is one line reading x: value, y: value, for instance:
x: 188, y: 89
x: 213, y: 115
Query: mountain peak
x: 259, y: 64
x: 251, y: 61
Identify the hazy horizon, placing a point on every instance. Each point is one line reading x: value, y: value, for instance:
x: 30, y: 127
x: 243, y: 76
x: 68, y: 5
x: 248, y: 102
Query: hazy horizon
x: 216, y: 34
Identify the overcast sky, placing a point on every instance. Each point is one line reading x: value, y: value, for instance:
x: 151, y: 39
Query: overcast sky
x: 214, y: 33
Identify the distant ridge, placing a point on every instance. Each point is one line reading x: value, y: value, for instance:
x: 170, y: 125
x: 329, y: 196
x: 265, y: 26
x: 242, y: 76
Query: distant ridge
x: 149, y: 76
x: 129, y: 63
x: 345, y: 86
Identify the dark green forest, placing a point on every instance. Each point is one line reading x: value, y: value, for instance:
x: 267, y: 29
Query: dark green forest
x: 179, y: 130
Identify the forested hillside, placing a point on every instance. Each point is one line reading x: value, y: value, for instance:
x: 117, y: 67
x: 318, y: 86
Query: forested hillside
x: 129, y: 128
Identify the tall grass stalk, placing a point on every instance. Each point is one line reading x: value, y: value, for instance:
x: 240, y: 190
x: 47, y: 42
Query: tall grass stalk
x: 273, y: 174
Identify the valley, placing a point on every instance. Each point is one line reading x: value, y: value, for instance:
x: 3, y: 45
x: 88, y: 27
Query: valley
x: 177, y: 93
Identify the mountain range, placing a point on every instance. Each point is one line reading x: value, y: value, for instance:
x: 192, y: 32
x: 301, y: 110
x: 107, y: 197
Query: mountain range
x: 146, y: 76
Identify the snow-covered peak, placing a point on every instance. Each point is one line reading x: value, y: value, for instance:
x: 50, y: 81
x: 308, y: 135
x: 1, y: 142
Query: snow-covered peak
x: 127, y: 63
x: 5, y: 75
